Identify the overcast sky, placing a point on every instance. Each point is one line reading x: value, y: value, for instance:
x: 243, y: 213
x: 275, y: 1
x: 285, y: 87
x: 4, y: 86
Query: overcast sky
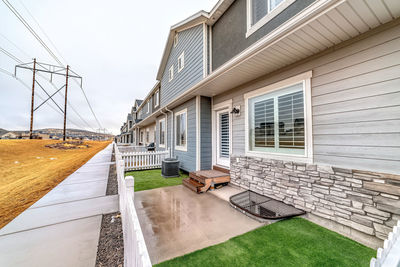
x: 116, y: 46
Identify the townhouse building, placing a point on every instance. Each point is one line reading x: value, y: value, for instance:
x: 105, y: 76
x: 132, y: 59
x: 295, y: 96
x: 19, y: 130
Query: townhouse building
x: 299, y: 99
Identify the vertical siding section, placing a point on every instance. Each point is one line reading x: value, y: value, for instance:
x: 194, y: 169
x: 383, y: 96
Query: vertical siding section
x: 205, y: 133
x: 190, y: 42
x: 188, y: 158
x: 356, y: 104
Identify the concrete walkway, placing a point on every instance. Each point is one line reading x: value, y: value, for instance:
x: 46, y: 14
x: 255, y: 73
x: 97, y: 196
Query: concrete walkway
x: 176, y: 221
x: 63, y: 227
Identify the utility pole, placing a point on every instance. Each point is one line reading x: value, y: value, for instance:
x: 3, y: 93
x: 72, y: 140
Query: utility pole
x: 51, y: 70
x: 65, y: 105
x: 33, y: 99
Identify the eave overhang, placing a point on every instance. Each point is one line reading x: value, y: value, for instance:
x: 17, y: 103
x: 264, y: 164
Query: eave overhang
x: 301, y: 37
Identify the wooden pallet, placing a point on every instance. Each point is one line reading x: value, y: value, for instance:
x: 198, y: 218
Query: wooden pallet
x: 201, y: 181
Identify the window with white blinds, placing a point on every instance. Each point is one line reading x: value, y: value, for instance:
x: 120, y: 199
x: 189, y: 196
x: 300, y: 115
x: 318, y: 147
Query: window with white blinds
x: 291, y: 120
x: 276, y: 121
x: 162, y: 132
x: 224, y: 135
x: 264, y: 132
x: 181, y: 130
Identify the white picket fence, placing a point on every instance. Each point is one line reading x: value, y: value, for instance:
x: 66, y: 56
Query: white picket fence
x: 123, y: 148
x: 135, y: 250
x: 389, y: 255
x: 144, y: 160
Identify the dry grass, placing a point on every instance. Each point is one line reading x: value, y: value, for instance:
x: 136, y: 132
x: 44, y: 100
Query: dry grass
x: 28, y: 170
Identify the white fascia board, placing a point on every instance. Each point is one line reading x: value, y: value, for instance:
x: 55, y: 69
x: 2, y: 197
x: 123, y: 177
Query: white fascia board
x: 155, y: 87
x: 315, y: 10
x: 194, y: 20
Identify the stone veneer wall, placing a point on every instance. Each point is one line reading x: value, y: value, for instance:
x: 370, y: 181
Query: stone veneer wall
x: 365, y: 201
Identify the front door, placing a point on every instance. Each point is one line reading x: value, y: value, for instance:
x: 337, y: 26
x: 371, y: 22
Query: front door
x: 223, y: 137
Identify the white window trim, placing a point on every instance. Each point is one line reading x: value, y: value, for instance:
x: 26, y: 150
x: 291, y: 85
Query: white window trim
x: 182, y: 59
x: 216, y: 107
x: 308, y: 148
x: 147, y: 135
x: 165, y: 133
x: 171, y: 73
x: 148, y: 107
x: 270, y: 15
x: 157, y: 93
x: 176, y: 39
x: 181, y: 148
x: 141, y: 137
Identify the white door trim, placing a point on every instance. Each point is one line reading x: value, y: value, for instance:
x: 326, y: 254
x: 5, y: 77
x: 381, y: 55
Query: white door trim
x: 217, y: 107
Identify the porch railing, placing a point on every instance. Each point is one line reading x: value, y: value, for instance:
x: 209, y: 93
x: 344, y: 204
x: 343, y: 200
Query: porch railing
x: 135, y: 250
x: 144, y: 160
x: 131, y: 148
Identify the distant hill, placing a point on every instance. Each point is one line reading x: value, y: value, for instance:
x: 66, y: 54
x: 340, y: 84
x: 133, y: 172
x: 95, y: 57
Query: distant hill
x: 59, y: 132
x: 70, y: 131
x: 3, y: 131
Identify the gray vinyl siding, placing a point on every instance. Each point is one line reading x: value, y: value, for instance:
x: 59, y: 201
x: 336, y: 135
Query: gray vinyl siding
x: 191, y: 43
x: 144, y: 113
x: 188, y: 158
x: 205, y: 134
x: 229, y: 32
x: 355, y: 104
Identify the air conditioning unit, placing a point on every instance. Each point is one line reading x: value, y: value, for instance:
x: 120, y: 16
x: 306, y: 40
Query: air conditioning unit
x: 170, y: 168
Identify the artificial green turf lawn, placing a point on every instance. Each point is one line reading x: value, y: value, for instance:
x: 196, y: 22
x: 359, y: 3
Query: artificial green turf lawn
x: 145, y: 180
x: 292, y: 242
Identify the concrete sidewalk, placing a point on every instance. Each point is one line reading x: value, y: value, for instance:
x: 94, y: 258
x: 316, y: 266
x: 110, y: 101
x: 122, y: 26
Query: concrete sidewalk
x: 63, y: 227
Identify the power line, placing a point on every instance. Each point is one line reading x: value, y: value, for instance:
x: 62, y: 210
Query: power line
x: 10, y: 55
x: 41, y: 29
x: 47, y: 48
x: 13, y: 44
x: 37, y: 37
x: 73, y: 108
x: 90, y: 106
x: 29, y: 89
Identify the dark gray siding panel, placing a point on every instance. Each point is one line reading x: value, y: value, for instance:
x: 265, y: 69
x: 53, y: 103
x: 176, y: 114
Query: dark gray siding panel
x: 229, y: 32
x: 191, y: 43
x: 188, y: 158
x: 205, y: 133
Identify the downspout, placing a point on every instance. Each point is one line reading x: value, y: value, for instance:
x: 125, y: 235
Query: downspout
x: 172, y: 132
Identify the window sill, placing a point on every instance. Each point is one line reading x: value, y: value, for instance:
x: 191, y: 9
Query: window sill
x: 280, y: 156
x: 162, y: 146
x: 252, y: 29
x: 181, y: 148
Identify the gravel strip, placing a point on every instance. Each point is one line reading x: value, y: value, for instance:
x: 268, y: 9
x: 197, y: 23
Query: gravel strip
x: 110, y: 250
x: 112, y: 185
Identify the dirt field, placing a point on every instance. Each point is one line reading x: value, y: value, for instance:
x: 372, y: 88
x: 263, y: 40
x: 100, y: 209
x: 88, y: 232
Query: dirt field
x: 28, y: 170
